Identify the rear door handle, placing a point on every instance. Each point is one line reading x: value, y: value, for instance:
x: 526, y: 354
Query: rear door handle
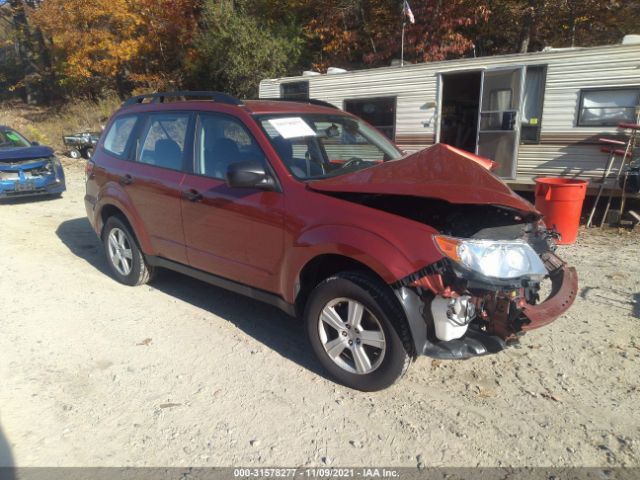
x: 192, y: 195
x: 126, y: 179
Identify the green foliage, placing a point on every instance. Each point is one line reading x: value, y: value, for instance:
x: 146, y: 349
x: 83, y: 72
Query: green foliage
x: 234, y: 51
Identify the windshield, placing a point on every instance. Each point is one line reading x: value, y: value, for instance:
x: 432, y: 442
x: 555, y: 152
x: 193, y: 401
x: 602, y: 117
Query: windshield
x: 12, y: 139
x: 318, y: 146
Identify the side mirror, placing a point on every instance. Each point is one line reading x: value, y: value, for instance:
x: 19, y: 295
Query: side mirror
x: 35, y: 144
x: 249, y: 174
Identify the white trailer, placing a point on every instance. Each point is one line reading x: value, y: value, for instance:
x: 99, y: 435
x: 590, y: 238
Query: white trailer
x: 536, y: 114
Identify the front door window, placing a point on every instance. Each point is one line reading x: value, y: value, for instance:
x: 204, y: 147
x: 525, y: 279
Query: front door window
x: 222, y: 141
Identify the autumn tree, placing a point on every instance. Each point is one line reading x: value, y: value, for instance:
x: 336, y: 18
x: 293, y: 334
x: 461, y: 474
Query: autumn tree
x: 168, y: 30
x: 586, y: 23
x: 88, y: 47
x: 530, y: 25
x: 439, y: 31
x: 357, y: 33
x: 117, y: 44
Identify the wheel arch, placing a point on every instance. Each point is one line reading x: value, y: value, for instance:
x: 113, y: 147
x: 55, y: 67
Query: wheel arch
x: 326, y: 265
x: 115, y: 208
x: 322, y: 267
x: 110, y: 210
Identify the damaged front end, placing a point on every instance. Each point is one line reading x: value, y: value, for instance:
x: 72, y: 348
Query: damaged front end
x: 35, y: 176
x: 486, y: 290
x: 496, y: 256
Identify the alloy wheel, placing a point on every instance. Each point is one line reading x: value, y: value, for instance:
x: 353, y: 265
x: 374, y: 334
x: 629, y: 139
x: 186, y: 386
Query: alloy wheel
x: 120, y: 253
x: 352, y: 336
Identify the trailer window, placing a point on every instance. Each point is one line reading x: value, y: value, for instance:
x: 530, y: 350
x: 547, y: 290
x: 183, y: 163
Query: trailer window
x: 608, y: 107
x: 533, y: 100
x: 295, y: 90
x: 379, y: 112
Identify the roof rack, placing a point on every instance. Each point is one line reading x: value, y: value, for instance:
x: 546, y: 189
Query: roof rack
x: 311, y: 101
x: 160, y: 97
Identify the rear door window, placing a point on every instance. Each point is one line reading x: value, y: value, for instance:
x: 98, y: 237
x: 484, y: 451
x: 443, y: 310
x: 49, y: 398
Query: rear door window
x: 118, y: 135
x: 163, y: 140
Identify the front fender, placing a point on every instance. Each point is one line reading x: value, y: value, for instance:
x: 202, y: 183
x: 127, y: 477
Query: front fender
x: 113, y: 195
x: 381, y: 255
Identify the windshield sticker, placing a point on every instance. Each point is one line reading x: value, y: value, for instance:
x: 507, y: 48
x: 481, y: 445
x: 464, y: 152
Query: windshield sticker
x: 292, y: 127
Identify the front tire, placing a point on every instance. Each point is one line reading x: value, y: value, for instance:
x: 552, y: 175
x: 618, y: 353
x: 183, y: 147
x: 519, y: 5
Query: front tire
x: 124, y: 257
x: 358, y: 332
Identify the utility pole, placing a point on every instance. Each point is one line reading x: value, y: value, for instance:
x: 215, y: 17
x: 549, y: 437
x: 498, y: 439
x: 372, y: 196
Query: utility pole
x: 402, y: 41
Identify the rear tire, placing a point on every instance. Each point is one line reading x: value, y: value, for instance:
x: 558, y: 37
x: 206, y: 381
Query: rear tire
x: 75, y: 154
x: 358, y: 331
x: 125, y: 259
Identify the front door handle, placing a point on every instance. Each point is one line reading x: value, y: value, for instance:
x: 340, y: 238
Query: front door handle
x: 192, y: 195
x: 126, y: 179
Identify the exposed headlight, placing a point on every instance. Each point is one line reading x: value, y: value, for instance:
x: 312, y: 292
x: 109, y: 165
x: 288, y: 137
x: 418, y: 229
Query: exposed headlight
x: 55, y: 165
x: 493, y: 258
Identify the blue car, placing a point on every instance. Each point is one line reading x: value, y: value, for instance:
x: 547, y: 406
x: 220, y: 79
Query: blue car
x: 27, y: 168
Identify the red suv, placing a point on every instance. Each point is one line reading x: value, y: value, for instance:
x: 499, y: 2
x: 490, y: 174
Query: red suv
x: 385, y: 257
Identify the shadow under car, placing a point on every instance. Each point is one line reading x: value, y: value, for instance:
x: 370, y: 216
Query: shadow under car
x: 267, y: 324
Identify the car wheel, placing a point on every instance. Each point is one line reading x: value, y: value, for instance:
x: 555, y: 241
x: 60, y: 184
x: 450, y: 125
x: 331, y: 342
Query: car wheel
x: 358, y: 332
x: 87, y: 153
x: 75, y: 154
x: 123, y: 254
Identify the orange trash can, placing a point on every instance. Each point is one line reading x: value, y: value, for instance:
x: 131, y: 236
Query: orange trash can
x: 560, y: 201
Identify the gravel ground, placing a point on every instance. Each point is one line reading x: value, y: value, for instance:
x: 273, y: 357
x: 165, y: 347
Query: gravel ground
x: 181, y: 373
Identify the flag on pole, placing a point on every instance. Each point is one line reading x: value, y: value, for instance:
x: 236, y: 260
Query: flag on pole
x: 408, y: 12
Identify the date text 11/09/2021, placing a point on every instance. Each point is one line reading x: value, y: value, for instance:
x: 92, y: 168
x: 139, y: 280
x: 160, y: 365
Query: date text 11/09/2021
x: 316, y: 473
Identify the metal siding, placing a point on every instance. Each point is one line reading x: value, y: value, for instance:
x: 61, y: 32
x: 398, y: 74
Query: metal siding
x: 584, y: 161
x: 568, y: 71
x: 269, y: 89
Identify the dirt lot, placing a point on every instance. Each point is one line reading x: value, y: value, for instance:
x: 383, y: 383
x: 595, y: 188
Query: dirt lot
x: 181, y: 373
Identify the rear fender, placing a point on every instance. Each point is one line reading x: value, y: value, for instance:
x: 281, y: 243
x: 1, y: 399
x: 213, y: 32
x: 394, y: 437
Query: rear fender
x: 112, y: 195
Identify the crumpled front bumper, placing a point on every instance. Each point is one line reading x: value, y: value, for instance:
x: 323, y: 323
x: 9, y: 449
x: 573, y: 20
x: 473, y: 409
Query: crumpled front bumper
x: 564, y: 288
x: 506, y: 315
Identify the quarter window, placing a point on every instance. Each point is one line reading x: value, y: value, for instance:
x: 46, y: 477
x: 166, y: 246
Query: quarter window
x: 164, y: 140
x: 608, y: 107
x: 221, y: 141
x: 118, y: 135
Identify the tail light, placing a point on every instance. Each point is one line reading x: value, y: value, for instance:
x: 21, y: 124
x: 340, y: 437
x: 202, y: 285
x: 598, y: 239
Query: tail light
x: 89, y: 169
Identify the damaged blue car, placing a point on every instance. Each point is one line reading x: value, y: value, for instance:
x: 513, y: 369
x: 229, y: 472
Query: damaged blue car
x: 27, y: 168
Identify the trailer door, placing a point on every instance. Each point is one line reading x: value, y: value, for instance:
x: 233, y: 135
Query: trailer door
x: 499, y: 118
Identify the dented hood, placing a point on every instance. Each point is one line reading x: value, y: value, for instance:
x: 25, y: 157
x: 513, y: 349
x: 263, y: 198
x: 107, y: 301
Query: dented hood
x: 441, y: 172
x: 19, y: 154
